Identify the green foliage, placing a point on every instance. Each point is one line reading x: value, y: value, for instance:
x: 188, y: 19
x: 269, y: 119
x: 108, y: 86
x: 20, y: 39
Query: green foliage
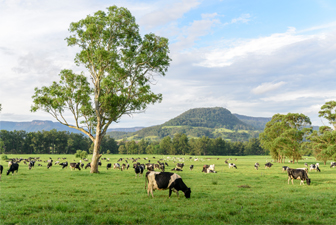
x: 284, y: 135
x: 4, y: 157
x: 121, y: 66
x: 83, y: 154
x: 328, y: 111
x: 108, y: 152
x: 78, y: 154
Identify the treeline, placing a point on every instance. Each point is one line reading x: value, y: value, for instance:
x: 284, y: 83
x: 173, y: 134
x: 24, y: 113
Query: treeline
x: 180, y: 145
x: 50, y: 142
x: 63, y: 142
x: 292, y: 136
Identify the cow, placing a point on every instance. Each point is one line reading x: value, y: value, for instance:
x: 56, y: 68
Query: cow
x: 166, y: 180
x: 13, y: 167
x: 1, y: 169
x: 177, y: 169
x: 284, y: 168
x: 306, y: 164
x: 108, y: 166
x: 314, y: 167
x: 149, y: 167
x: 127, y: 166
x: 64, y: 164
x: 166, y: 164
x: 333, y: 164
x: 138, y: 169
x: 31, y: 164
x: 75, y: 166
x: 88, y: 165
x: 232, y: 165
x: 299, y: 175
x: 82, y: 165
x: 49, y: 165
x: 156, y: 166
x: 123, y: 166
x: 116, y: 165
x: 191, y: 167
x: 180, y: 165
x: 268, y: 165
x: 162, y: 167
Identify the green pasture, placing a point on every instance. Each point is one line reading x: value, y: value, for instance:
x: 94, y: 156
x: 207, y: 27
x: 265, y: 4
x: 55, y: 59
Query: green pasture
x: 232, y: 196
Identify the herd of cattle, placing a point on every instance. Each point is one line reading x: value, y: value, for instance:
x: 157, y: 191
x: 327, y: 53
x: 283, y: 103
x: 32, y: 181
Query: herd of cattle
x: 158, y: 180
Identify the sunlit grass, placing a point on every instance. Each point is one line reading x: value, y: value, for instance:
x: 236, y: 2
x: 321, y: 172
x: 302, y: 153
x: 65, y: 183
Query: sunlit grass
x: 233, y: 196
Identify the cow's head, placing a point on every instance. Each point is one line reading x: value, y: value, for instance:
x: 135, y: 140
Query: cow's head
x: 8, y: 172
x: 187, y: 193
x: 308, y: 181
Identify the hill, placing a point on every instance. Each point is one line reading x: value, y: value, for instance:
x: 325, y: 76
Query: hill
x: 257, y: 122
x: 35, y: 125
x: 195, y: 123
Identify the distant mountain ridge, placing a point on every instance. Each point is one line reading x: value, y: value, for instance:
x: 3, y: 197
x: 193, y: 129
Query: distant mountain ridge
x: 47, y: 125
x: 211, y: 122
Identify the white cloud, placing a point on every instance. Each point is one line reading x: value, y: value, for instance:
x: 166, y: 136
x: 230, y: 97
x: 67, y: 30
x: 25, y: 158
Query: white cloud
x: 266, y: 87
x: 208, y: 15
x: 168, y: 13
x: 244, y: 18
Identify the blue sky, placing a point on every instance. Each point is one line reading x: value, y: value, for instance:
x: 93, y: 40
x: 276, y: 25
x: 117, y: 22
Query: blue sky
x: 255, y: 58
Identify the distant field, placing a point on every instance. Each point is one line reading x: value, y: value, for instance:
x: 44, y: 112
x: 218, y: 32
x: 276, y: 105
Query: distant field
x: 232, y: 196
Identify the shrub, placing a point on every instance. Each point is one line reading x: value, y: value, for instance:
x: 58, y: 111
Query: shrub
x: 78, y: 154
x: 4, y: 157
x: 83, y: 154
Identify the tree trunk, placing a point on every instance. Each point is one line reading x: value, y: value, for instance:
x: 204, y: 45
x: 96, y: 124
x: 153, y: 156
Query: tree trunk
x: 96, y: 156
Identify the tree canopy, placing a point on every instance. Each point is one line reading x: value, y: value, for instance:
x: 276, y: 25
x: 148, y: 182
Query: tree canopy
x: 121, y: 66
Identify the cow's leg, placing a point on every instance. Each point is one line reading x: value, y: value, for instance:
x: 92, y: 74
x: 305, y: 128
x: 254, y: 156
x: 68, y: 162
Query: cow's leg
x: 288, y: 179
x: 170, y: 191
x: 292, y: 180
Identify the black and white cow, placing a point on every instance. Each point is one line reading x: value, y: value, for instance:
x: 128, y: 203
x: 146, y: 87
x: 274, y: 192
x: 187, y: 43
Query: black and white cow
x: 49, y: 165
x: 314, y: 167
x: 177, y: 169
x: 268, y: 165
x: 13, y: 167
x: 123, y: 166
x: 166, y: 180
x: 191, y: 167
x: 298, y: 174
x: 64, y: 165
x: 88, y: 165
x: 256, y: 166
x: 108, y: 166
x: 138, y: 169
x: 232, y: 165
x: 180, y: 165
x: 116, y: 166
x: 31, y: 164
x: 75, y: 166
x: 332, y: 164
x: 1, y: 169
x: 284, y: 168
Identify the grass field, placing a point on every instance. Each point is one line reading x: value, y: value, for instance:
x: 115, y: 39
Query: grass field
x: 232, y: 196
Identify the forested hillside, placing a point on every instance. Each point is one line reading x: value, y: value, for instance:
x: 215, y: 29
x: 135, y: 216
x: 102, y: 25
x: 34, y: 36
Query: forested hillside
x: 195, y: 123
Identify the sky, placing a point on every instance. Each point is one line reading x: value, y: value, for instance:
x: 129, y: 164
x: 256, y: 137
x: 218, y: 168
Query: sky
x: 255, y: 58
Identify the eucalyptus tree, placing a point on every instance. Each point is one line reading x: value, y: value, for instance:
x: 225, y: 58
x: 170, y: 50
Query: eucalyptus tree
x: 284, y: 135
x: 121, y: 66
x: 328, y: 111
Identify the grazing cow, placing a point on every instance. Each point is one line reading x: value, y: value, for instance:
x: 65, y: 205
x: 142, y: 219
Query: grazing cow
x: 1, y: 169
x: 75, y: 166
x: 207, y: 169
x: 127, y: 166
x: 166, y: 164
x: 138, y: 169
x: 284, y: 168
x: 99, y: 163
x: 82, y: 165
x: 149, y: 167
x: 314, y: 167
x: 226, y: 162
x: 191, y: 167
x: 317, y: 164
x: 123, y: 166
x: 268, y: 165
x: 13, y: 167
x: 166, y: 180
x: 177, y: 169
x: 180, y: 165
x: 256, y: 166
x: 196, y: 159
x: 333, y: 164
x: 162, y: 167
x: 49, y: 165
x: 232, y: 165
x: 299, y: 175
x: 156, y: 166
x: 64, y: 164
x: 108, y: 166
x: 212, y: 167
x: 10, y: 163
x: 116, y: 165
x: 306, y: 164
x: 88, y: 165
x: 31, y: 164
